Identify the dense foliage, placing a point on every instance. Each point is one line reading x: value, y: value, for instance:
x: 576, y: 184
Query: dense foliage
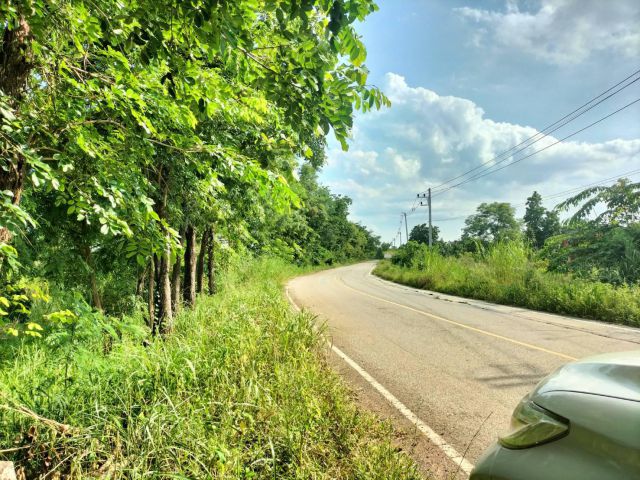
x: 140, y: 140
x: 510, y: 273
x: 238, y: 391
x: 142, y: 143
x: 493, y: 222
x: 420, y: 233
x: 319, y: 232
x: 539, y: 223
x: 600, y: 241
x: 589, y: 266
x: 604, y: 247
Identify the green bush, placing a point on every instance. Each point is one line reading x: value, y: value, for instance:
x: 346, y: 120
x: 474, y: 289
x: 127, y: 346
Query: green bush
x: 409, y: 253
x: 509, y: 273
x: 240, y: 390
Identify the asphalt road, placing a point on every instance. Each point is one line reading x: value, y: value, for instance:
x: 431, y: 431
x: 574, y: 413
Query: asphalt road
x: 459, y: 366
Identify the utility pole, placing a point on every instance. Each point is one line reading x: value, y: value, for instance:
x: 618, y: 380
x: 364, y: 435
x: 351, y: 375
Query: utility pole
x: 400, y: 233
x: 430, y: 234
x: 406, y: 226
x: 428, y: 197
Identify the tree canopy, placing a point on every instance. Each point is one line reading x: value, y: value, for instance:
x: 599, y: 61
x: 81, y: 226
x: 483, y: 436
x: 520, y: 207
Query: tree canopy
x: 420, y: 233
x: 620, y: 202
x: 142, y: 134
x: 539, y: 222
x: 493, y: 222
x: 601, y: 239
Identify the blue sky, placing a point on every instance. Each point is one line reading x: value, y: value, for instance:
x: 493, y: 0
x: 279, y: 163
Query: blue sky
x: 470, y: 79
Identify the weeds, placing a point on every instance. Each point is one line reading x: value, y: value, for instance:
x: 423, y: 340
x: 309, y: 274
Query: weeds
x: 239, y: 391
x: 508, y: 273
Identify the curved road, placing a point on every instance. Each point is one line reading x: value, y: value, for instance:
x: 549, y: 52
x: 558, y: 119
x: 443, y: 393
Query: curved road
x: 458, y: 366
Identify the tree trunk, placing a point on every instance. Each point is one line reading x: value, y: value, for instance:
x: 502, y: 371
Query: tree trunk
x: 175, y: 284
x: 165, y: 310
x: 15, y: 59
x: 201, y: 257
x: 189, y: 290
x: 165, y: 317
x: 15, y: 67
x: 140, y: 283
x: 211, y: 264
x: 13, y: 180
x: 85, y: 252
x: 151, y: 299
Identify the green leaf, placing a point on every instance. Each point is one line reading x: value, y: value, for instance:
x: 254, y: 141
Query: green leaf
x: 7, y: 114
x: 35, y: 180
x: 308, y: 152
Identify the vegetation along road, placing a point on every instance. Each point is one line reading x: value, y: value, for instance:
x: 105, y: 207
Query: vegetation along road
x: 453, y: 367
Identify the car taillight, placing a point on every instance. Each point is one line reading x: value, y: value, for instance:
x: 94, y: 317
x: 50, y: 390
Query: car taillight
x: 532, y: 425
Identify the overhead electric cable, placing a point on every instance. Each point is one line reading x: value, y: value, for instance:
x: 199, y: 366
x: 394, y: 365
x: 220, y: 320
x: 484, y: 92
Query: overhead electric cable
x: 546, y: 131
x: 558, y: 194
x: 490, y: 171
x: 594, y: 184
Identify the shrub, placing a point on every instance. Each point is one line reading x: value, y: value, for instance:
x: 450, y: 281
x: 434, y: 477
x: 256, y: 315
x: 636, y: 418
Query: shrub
x: 240, y: 390
x: 509, y: 273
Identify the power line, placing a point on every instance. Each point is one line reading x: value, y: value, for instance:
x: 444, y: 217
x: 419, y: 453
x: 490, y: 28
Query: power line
x: 546, y: 131
x: 490, y: 171
x: 438, y: 220
x: 594, y: 184
x: 558, y: 194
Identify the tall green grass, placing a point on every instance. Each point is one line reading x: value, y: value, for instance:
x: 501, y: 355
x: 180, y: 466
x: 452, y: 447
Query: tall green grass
x: 240, y: 390
x: 508, y: 273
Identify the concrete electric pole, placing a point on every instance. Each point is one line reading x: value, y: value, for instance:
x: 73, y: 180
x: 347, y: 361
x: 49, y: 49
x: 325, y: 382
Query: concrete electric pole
x: 428, y: 197
x: 406, y: 226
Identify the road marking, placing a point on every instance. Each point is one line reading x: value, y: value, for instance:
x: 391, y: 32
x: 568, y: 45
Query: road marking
x: 294, y: 304
x: 516, y: 311
x: 462, y: 325
x: 433, y: 437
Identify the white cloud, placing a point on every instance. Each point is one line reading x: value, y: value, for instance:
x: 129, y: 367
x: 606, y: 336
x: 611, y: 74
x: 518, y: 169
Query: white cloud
x: 561, y: 31
x: 425, y: 139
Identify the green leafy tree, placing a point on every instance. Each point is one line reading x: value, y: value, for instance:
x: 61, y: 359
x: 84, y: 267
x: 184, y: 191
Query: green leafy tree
x: 493, y: 222
x: 154, y: 129
x: 410, y: 255
x: 601, y: 240
x: 620, y: 204
x: 605, y: 253
x: 539, y: 222
x: 420, y: 233
x: 318, y: 231
x: 458, y: 247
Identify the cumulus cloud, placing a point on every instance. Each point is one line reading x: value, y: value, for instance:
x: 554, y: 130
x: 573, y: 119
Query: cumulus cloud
x: 425, y: 139
x: 561, y: 31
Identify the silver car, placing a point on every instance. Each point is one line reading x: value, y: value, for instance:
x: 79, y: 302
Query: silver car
x: 582, y: 422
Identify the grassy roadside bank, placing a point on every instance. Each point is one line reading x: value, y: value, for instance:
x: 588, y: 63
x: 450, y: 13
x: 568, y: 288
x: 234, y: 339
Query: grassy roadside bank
x: 240, y: 390
x: 505, y: 274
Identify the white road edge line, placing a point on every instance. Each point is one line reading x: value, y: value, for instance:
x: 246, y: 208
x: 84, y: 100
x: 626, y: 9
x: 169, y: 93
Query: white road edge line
x: 433, y: 437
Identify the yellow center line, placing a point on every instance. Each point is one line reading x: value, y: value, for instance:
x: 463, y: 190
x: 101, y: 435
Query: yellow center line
x: 462, y: 325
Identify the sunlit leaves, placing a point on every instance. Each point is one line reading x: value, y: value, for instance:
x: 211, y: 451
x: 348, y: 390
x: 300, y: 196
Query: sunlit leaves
x: 621, y: 202
x: 145, y: 116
